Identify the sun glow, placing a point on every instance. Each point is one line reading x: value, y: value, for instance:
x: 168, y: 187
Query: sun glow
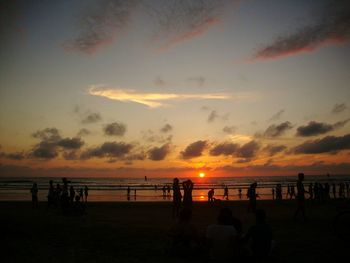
x: 201, y: 175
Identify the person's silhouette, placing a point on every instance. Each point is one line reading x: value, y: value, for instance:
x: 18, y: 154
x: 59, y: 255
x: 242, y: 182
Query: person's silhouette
x: 300, y: 197
x: 34, y: 191
x: 177, y: 196
x: 188, y: 187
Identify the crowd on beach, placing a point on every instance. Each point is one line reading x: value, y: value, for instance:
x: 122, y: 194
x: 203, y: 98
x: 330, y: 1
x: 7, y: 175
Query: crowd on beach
x: 70, y: 200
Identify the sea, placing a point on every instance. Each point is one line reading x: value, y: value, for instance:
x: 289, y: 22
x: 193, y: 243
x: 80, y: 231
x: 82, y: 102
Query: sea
x: 151, y: 189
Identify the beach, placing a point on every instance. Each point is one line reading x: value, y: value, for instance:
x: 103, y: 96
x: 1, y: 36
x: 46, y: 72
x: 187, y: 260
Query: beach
x: 137, y: 231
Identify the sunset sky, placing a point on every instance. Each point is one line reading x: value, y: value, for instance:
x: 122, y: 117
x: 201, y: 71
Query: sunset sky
x: 174, y: 88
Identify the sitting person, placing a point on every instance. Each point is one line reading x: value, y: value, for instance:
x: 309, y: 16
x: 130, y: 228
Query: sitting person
x: 222, y: 237
x: 260, y: 236
x: 184, y: 236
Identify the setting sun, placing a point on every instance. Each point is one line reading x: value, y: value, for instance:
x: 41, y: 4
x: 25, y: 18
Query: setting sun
x: 201, y: 175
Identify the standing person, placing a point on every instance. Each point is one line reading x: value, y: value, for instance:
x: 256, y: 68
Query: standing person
x: 300, y: 197
x: 288, y: 191
x: 51, y: 196
x: 211, y: 195
x: 128, y: 193
x: 252, y: 195
x: 81, y: 193
x: 273, y: 193
x: 311, y: 191
x: 71, y: 194
x: 168, y: 189
x: 226, y: 192
x: 65, y: 196
x: 34, y: 191
x: 86, y: 193
x: 188, y: 187
x: 164, y: 191
x: 334, y: 191
x: 177, y: 196
x: 292, y: 192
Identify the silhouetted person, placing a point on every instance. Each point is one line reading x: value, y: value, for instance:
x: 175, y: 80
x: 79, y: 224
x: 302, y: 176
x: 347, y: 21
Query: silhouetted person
x: 288, y: 191
x: 240, y: 193
x: 184, y: 236
x: 34, y: 191
x: 273, y: 193
x: 86, y: 193
x: 226, y: 192
x: 334, y: 191
x: 128, y: 193
x: 188, y: 187
x: 164, y: 191
x: 51, y: 196
x: 252, y: 195
x: 211, y: 195
x: 177, y: 196
x: 260, y: 235
x: 65, y: 195
x: 279, y: 192
x: 71, y: 194
x: 311, y: 191
x: 168, y: 189
x: 300, y: 197
x: 222, y: 237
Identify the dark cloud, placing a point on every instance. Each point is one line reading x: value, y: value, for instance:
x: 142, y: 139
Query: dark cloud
x: 70, y: 155
x: 329, y: 144
x: 83, y: 132
x: 71, y: 143
x: 229, y: 129
x: 44, y: 150
x: 91, y: 118
x: 51, y: 144
x: 248, y: 150
x: 115, y: 129
x: 226, y: 148
x: 314, y: 128
x: 13, y: 156
x: 108, y: 149
x: 338, y: 108
x: 48, y: 134
x: 277, y: 130
x: 331, y: 28
x: 194, y: 149
x: 102, y: 24
x: 180, y: 20
x: 277, y: 115
x: 213, y: 116
x: 198, y: 80
x: 151, y: 136
x: 166, y: 128
x: 274, y: 149
x: 159, y: 153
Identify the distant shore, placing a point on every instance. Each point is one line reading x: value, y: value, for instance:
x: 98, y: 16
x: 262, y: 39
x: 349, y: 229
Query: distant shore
x: 136, y: 231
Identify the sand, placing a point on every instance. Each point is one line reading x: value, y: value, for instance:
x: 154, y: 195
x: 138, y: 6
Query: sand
x: 136, y: 232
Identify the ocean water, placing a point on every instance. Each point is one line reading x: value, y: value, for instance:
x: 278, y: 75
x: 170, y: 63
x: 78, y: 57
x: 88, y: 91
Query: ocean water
x: 115, y: 189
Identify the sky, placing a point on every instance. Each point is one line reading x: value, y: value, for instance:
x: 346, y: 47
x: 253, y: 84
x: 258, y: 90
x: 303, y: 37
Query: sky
x: 173, y: 88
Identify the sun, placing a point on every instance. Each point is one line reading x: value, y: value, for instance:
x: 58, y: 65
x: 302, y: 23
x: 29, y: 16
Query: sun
x: 201, y: 175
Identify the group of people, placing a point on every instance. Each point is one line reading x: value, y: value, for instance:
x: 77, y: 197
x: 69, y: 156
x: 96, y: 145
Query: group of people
x: 65, y: 196
x: 225, y: 239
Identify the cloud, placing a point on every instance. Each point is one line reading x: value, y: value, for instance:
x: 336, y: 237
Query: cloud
x: 115, y: 129
x: 314, y: 128
x: 329, y: 144
x: 248, y: 150
x: 51, y: 144
x: 153, y: 100
x: 213, y: 116
x: 83, y: 132
x: 101, y: 25
x: 166, y: 128
x: 226, y: 148
x: 229, y: 129
x: 91, y: 118
x: 178, y: 21
x: 332, y: 28
x: 13, y: 156
x: 194, y: 149
x: 150, y: 136
x: 159, y: 153
x: 274, y: 149
x: 277, y: 115
x: 338, y: 108
x: 277, y: 130
x: 198, y: 80
x: 70, y: 143
x: 108, y: 149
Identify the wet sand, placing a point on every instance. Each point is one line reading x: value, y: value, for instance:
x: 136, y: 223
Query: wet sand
x: 136, y: 231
